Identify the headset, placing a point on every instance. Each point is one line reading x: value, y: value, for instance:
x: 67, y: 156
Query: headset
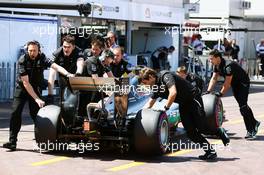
x: 33, y: 42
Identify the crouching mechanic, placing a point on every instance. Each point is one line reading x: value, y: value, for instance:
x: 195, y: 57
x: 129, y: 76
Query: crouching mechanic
x: 238, y: 79
x: 180, y: 91
x: 195, y: 80
x: 28, y: 88
x: 198, y: 84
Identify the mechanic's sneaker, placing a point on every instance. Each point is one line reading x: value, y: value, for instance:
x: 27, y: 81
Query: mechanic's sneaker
x: 256, y: 128
x: 208, y: 156
x: 10, y: 145
x: 250, y: 135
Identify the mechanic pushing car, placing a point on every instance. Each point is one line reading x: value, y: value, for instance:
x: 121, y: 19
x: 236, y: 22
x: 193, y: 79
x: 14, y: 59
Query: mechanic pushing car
x: 70, y: 57
x: 28, y: 87
x: 238, y: 79
x: 180, y: 91
x: 96, y: 65
x: 198, y: 84
x: 194, y: 79
x: 119, y: 66
x: 97, y: 60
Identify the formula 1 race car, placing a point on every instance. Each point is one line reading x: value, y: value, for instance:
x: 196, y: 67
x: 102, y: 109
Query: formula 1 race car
x: 120, y: 118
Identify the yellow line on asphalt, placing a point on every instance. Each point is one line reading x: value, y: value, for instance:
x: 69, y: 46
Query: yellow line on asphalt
x: 216, y: 142
x: 235, y: 121
x: 181, y: 152
x: 134, y: 164
x: 50, y: 161
x: 232, y: 122
x: 126, y: 166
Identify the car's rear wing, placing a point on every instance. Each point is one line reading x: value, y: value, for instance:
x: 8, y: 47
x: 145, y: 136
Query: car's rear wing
x: 97, y: 84
x: 90, y: 84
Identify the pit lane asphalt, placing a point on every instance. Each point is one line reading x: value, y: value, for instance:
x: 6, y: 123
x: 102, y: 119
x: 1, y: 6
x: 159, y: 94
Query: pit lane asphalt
x: 241, y: 157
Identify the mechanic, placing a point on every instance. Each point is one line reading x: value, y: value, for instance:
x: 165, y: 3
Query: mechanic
x: 96, y: 65
x: 180, y: 91
x: 159, y: 58
x: 238, y: 79
x: 28, y: 87
x: 71, y: 58
x: 194, y: 79
x: 156, y: 56
x: 119, y: 66
x: 198, y: 83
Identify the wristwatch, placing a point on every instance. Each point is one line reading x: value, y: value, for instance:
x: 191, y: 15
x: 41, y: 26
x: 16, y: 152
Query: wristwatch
x: 166, y: 108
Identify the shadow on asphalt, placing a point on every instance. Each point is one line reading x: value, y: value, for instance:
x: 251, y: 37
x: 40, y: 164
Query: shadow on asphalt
x: 4, y: 122
x: 113, y: 153
x: 5, y: 115
x: 233, y: 137
x: 132, y: 156
x: 259, y: 138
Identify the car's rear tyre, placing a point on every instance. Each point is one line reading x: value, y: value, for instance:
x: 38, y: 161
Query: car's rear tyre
x: 213, y: 114
x: 151, y: 132
x: 46, y: 126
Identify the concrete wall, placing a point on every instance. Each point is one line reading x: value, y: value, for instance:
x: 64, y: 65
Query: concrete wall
x: 253, y: 36
x: 235, y: 8
x: 219, y: 9
x: 256, y: 8
x: 171, y: 3
x: 209, y: 8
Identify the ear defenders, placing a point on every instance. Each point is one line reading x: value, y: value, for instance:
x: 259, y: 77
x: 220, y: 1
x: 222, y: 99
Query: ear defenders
x: 33, y: 42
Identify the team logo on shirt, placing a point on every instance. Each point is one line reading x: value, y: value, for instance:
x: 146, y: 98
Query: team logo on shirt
x: 228, y: 70
x: 93, y: 68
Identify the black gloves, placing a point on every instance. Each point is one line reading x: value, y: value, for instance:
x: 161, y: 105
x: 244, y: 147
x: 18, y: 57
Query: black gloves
x: 218, y: 94
x: 207, y: 92
x: 78, y: 75
x: 50, y: 99
x: 166, y: 108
